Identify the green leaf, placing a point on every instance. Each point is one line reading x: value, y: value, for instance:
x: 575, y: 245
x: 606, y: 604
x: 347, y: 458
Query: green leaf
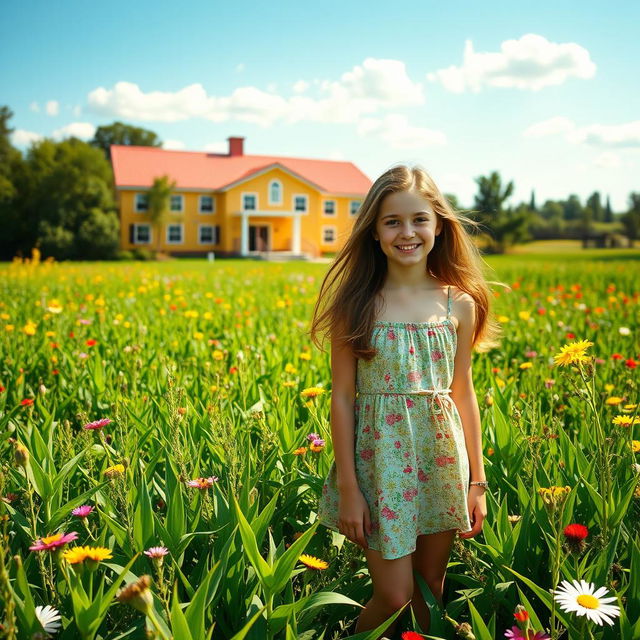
x: 179, y: 625
x: 480, y: 629
x: 284, y: 565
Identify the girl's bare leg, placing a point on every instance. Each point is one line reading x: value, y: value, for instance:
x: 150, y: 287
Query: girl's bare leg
x: 392, y: 589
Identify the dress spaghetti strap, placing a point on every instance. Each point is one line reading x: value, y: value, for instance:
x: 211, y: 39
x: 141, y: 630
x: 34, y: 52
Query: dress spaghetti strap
x: 448, y: 300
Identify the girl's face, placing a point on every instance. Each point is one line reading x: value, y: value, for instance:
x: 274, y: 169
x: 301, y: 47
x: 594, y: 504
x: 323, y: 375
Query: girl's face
x: 406, y: 219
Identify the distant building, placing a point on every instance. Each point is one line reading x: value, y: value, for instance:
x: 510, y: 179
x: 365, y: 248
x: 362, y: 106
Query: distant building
x: 236, y: 204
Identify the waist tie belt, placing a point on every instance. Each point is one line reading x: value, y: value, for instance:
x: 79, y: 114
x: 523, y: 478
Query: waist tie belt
x: 436, y: 393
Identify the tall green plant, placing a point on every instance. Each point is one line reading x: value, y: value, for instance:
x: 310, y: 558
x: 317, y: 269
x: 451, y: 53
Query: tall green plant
x: 158, y: 198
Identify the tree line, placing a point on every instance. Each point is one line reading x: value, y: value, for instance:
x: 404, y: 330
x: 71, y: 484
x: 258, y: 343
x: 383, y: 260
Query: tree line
x: 59, y: 196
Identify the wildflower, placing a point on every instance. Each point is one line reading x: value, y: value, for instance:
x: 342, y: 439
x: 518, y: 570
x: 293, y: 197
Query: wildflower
x: 317, y: 445
x: 573, y: 353
x: 549, y: 382
x: 514, y: 519
x: 91, y: 343
x: 312, y: 392
x: 202, y: 483
x: 411, y: 635
x: 156, y: 552
x: 312, y: 562
x: 97, y: 424
x: 554, y: 496
x: 631, y: 363
x: 624, y: 331
x: 300, y: 451
x: 138, y: 595
x: 83, y: 511
x: 616, y: 356
x: 526, y: 365
x: 77, y: 555
x: 49, y: 618
x: 635, y: 446
x: 30, y: 328
x: 26, y: 402
x: 465, y: 631
x: 20, y: 453
x: 626, y: 421
x: 521, y: 614
x: 114, y: 471
x: 53, y: 542
x: 519, y: 634
x: 613, y: 400
x: 312, y: 436
x: 574, y: 535
x: 580, y: 598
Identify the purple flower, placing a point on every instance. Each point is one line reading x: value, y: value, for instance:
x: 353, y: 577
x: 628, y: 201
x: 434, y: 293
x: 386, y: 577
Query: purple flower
x: 156, y: 552
x: 83, y: 511
x: 97, y: 424
x: 515, y: 633
x: 53, y: 542
x: 312, y: 436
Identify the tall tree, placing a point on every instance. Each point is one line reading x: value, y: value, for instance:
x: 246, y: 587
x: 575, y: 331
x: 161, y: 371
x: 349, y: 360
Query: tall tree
x: 572, y: 208
x: 593, y: 203
x: 9, y: 156
x: 532, y: 204
x: 608, y: 213
x: 505, y: 226
x: 158, y: 198
x: 631, y: 219
x: 121, y: 133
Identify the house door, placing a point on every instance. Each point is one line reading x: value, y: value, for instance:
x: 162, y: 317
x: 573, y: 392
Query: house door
x: 258, y: 238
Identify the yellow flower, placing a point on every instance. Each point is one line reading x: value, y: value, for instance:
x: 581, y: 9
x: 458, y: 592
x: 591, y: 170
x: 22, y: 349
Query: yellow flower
x: 608, y: 387
x: 198, y: 335
x: 626, y: 421
x: 305, y: 356
x: 312, y: 562
x: 635, y: 446
x: 554, y: 496
x: 524, y: 315
x: 526, y: 365
x: 115, y: 470
x: 613, y: 400
x: 629, y: 407
x: 300, y: 451
x: 503, y: 319
x: 54, y: 306
x: 30, y: 328
x: 9, y: 327
x: 289, y: 368
x: 288, y: 383
x: 573, y: 353
x: 218, y: 355
x: 312, y: 392
x: 77, y: 555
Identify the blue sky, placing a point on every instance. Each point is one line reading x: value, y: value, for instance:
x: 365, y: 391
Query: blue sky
x: 548, y: 95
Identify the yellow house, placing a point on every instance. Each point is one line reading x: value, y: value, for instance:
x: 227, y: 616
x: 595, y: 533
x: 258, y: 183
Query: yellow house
x: 235, y: 204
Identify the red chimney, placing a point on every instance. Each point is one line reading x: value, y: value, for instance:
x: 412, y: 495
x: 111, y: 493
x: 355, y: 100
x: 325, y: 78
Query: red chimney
x: 235, y: 146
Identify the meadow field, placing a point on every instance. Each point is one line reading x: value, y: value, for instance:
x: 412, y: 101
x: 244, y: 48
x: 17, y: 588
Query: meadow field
x: 165, y: 434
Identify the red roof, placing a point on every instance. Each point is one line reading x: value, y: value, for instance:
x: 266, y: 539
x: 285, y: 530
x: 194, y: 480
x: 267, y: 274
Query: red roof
x: 138, y: 166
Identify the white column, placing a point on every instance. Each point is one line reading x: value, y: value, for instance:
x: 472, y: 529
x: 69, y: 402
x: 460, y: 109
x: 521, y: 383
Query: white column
x: 244, y: 234
x: 295, y: 242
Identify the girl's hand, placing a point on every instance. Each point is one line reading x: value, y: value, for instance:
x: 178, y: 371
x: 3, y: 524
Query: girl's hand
x: 353, y: 516
x: 477, y: 504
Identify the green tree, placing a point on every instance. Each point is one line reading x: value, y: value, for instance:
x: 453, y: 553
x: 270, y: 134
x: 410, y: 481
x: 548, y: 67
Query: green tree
x: 67, y: 202
x: 593, y: 203
x: 608, y: 213
x: 505, y: 226
x: 631, y: 219
x: 552, y: 212
x: 158, y: 198
x: 572, y: 208
x: 121, y: 133
x: 532, y: 204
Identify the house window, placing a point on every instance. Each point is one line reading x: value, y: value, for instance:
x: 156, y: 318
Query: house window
x: 329, y: 207
x: 249, y: 202
x: 206, y: 204
x: 207, y: 234
x: 174, y: 234
x: 141, y: 234
x: 176, y: 203
x: 328, y: 235
x: 355, y: 205
x: 300, y: 203
x: 275, y: 192
x: 141, y: 202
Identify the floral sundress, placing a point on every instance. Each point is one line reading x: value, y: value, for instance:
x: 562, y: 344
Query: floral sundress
x: 410, y: 456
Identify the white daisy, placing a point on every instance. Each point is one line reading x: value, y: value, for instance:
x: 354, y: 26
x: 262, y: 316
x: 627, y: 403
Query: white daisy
x: 49, y: 618
x: 581, y: 598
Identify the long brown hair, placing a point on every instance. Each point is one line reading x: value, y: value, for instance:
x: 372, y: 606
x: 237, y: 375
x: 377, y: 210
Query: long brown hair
x: 358, y: 272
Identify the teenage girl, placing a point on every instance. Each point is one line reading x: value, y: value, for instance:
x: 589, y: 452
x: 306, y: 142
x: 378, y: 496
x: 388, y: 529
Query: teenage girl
x: 408, y: 306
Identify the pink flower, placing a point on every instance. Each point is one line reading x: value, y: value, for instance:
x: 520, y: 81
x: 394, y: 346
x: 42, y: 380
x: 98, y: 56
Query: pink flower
x: 97, y: 424
x: 516, y: 633
x: 389, y: 514
x: 156, y: 552
x: 53, y: 542
x: 366, y: 454
x: 202, y: 483
x: 436, y: 355
x: 83, y: 511
x: 312, y: 436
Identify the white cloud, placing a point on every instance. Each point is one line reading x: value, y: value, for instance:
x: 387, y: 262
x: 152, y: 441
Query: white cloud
x: 300, y: 86
x: 532, y: 63
x: 608, y: 160
x: 34, y: 107
x: 395, y: 130
x: 82, y: 130
x: 52, y: 108
x: 374, y: 85
x: 23, y: 138
x: 216, y: 147
x: 175, y: 145
x: 272, y: 87
x: 597, y: 135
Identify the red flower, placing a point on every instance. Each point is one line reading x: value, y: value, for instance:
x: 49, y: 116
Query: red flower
x: 26, y: 402
x: 617, y: 356
x: 54, y: 372
x: 91, y: 343
x: 411, y: 635
x: 233, y: 370
x: 1, y: 388
x: 631, y: 363
x: 570, y: 336
x: 576, y: 532
x: 71, y: 334
x: 521, y: 616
